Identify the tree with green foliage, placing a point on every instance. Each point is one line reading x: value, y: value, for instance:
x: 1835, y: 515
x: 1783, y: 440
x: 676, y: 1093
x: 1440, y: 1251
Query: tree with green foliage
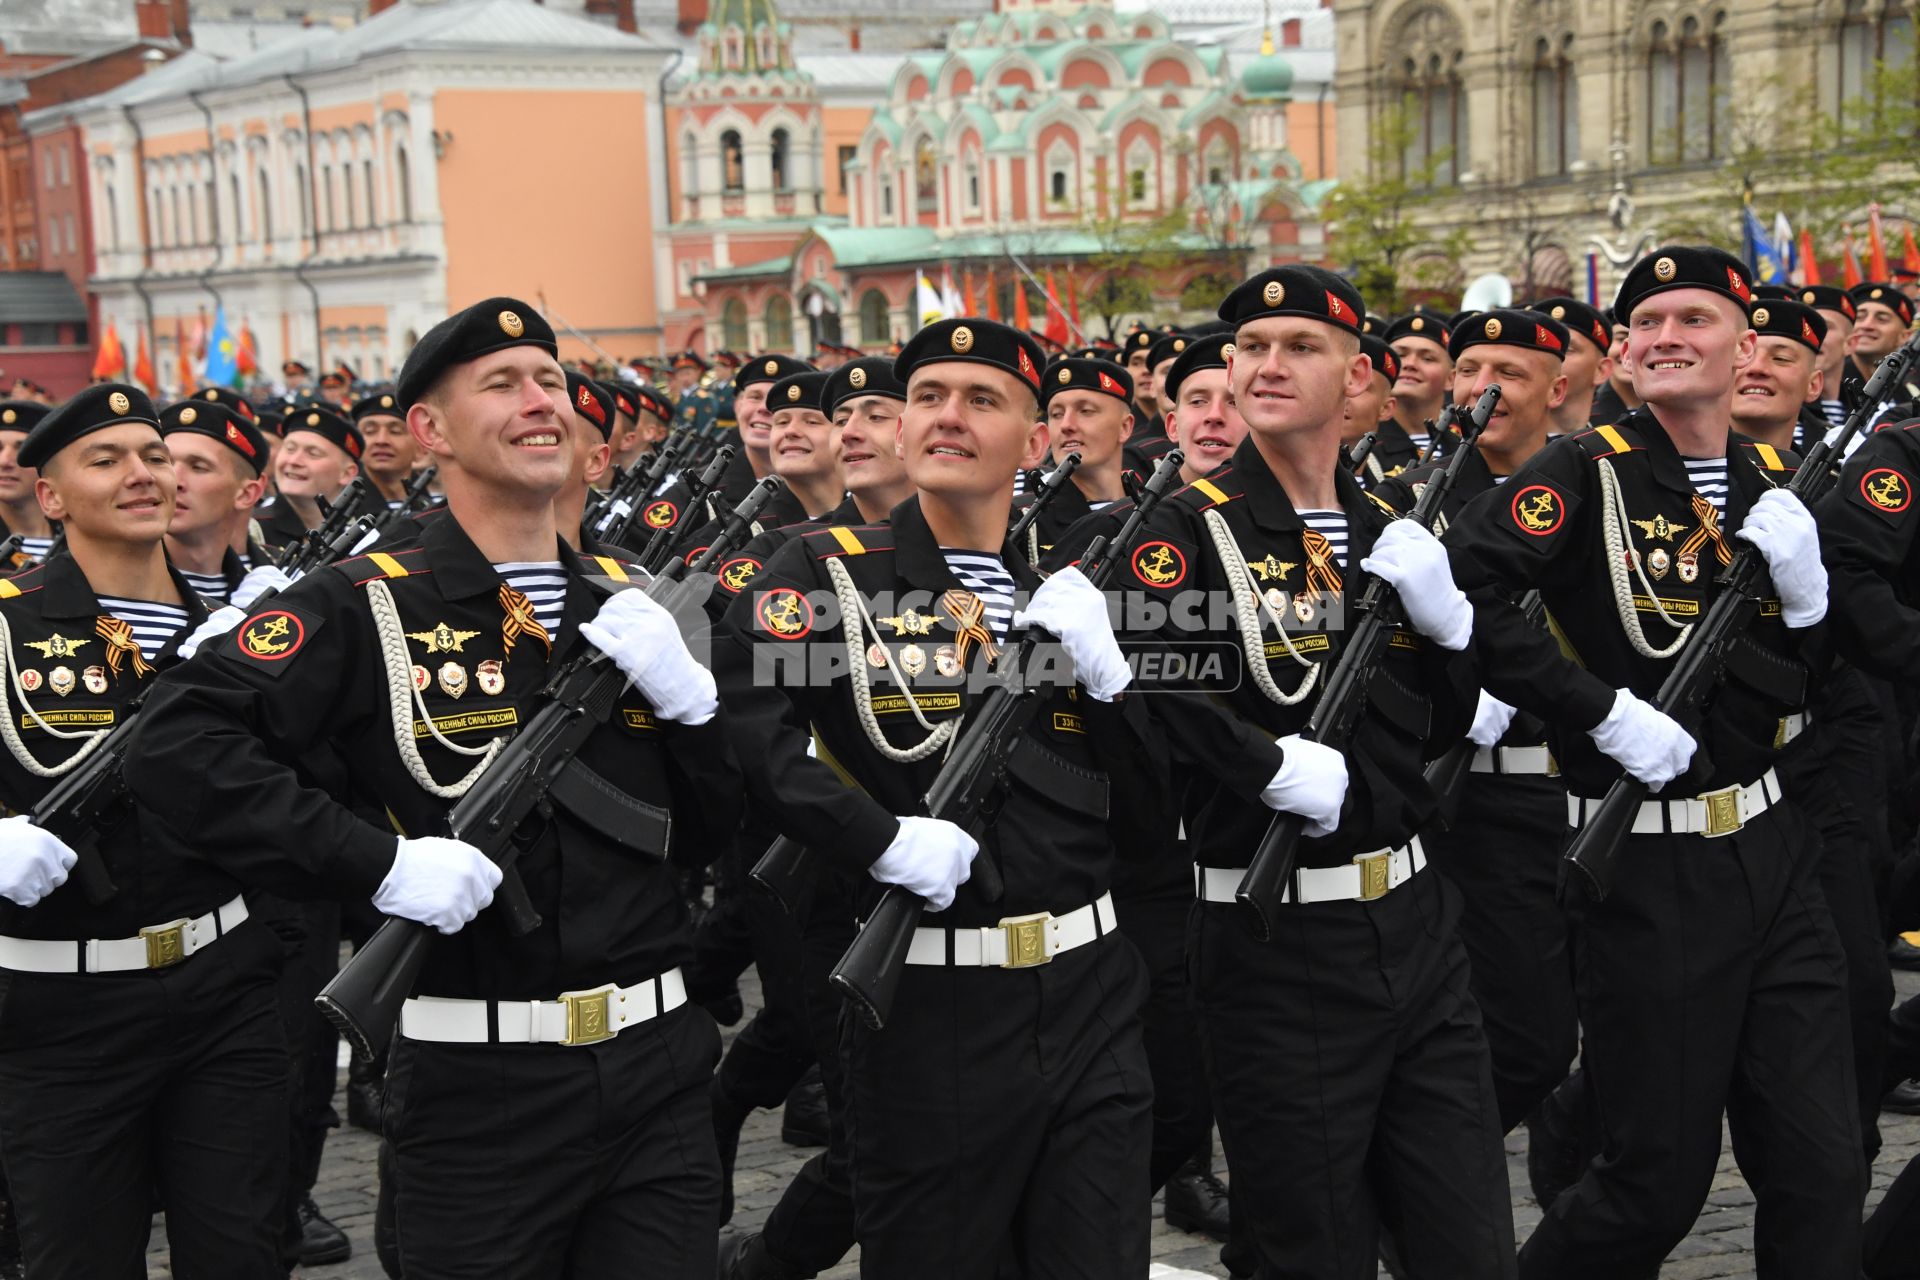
x: 1134, y: 250
x: 1373, y: 227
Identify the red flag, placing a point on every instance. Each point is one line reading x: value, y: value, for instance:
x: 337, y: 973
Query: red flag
x: 1056, y: 329
x: 244, y: 359
x: 1809, y: 265
x: 1876, y: 246
x: 973, y: 308
x: 111, y: 362
x: 200, y: 337
x: 1073, y: 304
x: 143, y: 366
x: 1910, y: 260
x: 993, y: 297
x: 1022, y: 318
x: 183, y: 364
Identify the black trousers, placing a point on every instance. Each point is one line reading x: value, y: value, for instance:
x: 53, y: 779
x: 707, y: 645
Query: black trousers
x: 1351, y: 1083
x: 1892, y: 1233
x: 1503, y: 851
x: 1711, y: 982
x: 114, y: 1084
x: 775, y: 1049
x: 1153, y: 914
x: 1005, y: 1113
x: 557, y: 1161
x: 309, y: 934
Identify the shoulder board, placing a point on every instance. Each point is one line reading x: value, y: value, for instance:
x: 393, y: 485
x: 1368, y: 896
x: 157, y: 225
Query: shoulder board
x: 848, y: 540
x: 1215, y: 490
x: 22, y: 583
x: 615, y: 569
x: 376, y: 565
x: 1383, y: 504
x: 1768, y: 458
x: 1605, y: 442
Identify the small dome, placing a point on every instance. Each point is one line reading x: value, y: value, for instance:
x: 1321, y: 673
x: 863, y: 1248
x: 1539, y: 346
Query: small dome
x: 1267, y: 76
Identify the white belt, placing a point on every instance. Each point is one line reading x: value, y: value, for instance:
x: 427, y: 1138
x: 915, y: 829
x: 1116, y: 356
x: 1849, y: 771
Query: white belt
x: 1791, y: 727
x: 577, y: 1017
x: 1017, y: 942
x: 1529, y: 760
x: 1717, y: 813
x: 1368, y: 876
x: 157, y: 946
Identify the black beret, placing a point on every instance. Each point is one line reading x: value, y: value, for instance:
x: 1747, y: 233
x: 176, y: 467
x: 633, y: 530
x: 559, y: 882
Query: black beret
x: 623, y: 398
x: 482, y: 329
x: 1168, y: 346
x: 1070, y: 374
x: 1295, y: 290
x: 1680, y: 266
x: 22, y: 415
x: 229, y: 397
x: 1381, y: 356
x: 1137, y: 339
x: 867, y: 376
x: 1375, y: 324
x: 324, y: 422
x: 590, y: 402
x: 804, y: 390
x: 1459, y: 318
x: 1785, y: 318
x: 271, y: 418
x: 1582, y: 321
x: 768, y: 368
x: 649, y: 400
x: 1504, y: 327
x: 97, y: 407
x: 1209, y: 351
x: 1207, y: 328
x: 381, y: 403
x: 972, y: 341
x: 1772, y: 291
x: 1825, y: 297
x: 1421, y: 322
x: 1885, y: 295
x: 217, y: 421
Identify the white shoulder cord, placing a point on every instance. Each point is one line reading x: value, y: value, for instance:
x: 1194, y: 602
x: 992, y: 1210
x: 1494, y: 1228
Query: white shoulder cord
x: 856, y: 624
x: 11, y: 733
x: 1033, y: 545
x: 1240, y: 580
x: 1615, y: 533
x: 403, y: 697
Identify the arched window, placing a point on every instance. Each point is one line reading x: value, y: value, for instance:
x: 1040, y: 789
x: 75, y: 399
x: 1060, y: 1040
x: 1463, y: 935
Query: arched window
x: 326, y: 198
x: 873, y: 317
x: 924, y: 169
x: 777, y: 158
x: 346, y: 177
x: 971, y: 166
x: 733, y: 324
x: 112, y: 237
x: 264, y: 212
x: 239, y: 225
x: 886, y: 198
x: 1428, y: 82
x: 778, y: 319
x: 1872, y: 33
x: 689, y: 166
x: 1556, y: 120
x: 1140, y: 175
x: 403, y: 183
x: 1060, y: 175
x: 732, y: 162
x: 1687, y: 88
x: 366, y: 174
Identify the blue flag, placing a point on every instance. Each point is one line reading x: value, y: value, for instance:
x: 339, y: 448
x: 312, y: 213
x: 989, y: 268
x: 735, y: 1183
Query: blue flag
x: 1761, y: 254
x: 223, y: 351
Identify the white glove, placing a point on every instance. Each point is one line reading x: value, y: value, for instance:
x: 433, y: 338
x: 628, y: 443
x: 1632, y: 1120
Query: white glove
x: 1075, y: 610
x: 1782, y: 527
x: 1490, y: 720
x: 1416, y: 564
x: 218, y: 623
x: 1647, y: 743
x: 930, y: 857
x: 1312, y: 782
x: 33, y: 862
x: 259, y: 580
x: 438, y: 881
x: 644, y: 641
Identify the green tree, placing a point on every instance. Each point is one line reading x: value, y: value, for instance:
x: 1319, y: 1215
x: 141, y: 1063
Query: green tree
x: 1134, y: 249
x: 1373, y: 225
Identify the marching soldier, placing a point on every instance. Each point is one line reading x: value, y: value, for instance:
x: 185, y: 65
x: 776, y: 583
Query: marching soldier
x: 1690, y: 1010
x: 1836, y: 308
x: 1588, y: 365
x: 1372, y: 410
x: 140, y: 1055
x: 1882, y: 315
x: 1003, y: 1110
x: 1419, y: 342
x: 19, y: 507
x: 1087, y: 405
x: 1344, y: 1055
x: 1615, y: 397
x: 319, y: 456
x: 547, y: 1094
x: 390, y: 454
x: 219, y: 460
x: 1205, y: 424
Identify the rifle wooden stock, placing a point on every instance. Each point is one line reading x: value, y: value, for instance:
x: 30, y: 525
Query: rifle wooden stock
x: 363, y: 1000
x: 868, y: 975
x: 1270, y: 872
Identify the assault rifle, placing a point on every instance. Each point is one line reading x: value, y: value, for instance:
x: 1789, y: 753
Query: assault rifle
x: 1697, y: 670
x: 964, y: 789
x: 364, y: 998
x: 1050, y: 484
x: 415, y: 500
x: 338, y: 517
x: 1361, y: 451
x: 660, y: 547
x: 635, y: 487
x: 1270, y: 874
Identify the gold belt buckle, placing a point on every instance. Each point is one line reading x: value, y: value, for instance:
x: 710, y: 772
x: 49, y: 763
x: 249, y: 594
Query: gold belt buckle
x: 166, y: 943
x: 589, y: 1015
x: 1374, y: 873
x: 1026, y: 940
x: 1723, y: 812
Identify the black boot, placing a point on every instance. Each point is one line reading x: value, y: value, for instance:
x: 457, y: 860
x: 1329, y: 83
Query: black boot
x: 744, y: 1256
x: 1196, y: 1201
x: 12, y: 1266
x: 320, y: 1241
x: 803, y: 1123
x: 1556, y: 1155
x: 728, y: 1119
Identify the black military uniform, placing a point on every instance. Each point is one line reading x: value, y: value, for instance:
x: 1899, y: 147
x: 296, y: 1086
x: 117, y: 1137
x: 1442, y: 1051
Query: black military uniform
x: 22, y: 416
x: 1501, y: 839
x: 1070, y: 505
x: 280, y: 524
x: 547, y: 1094
x: 133, y: 1067
x: 1853, y: 383
x: 1710, y: 980
x: 997, y: 1112
x: 1345, y: 1056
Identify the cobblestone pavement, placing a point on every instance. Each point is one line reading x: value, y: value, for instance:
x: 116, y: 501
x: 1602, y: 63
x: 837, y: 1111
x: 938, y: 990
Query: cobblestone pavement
x: 1721, y: 1244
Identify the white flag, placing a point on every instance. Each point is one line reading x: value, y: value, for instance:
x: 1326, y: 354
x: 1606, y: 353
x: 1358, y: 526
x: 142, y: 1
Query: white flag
x: 926, y: 300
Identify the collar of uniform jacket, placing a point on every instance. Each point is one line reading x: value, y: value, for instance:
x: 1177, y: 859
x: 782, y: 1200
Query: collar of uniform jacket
x: 918, y: 558
x: 1744, y: 482
x: 462, y: 572
x: 1272, y: 509
x: 66, y: 593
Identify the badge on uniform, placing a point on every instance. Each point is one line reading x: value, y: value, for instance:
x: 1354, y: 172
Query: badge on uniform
x: 1277, y: 601
x: 1303, y: 607
x: 60, y: 680
x: 95, y: 679
x: 57, y: 646
x: 876, y: 654
x: 913, y: 659
x: 421, y: 678
x: 453, y: 679
x: 491, y: 679
x: 1689, y: 566
x: 1658, y: 562
x: 30, y: 681
x: 442, y: 638
x: 946, y: 661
